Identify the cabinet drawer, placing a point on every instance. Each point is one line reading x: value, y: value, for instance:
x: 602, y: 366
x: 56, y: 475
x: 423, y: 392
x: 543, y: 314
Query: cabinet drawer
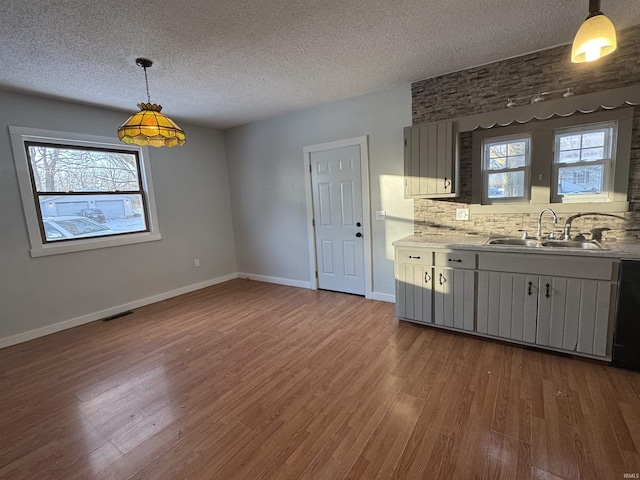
x: 456, y: 259
x: 414, y: 256
x: 554, y: 265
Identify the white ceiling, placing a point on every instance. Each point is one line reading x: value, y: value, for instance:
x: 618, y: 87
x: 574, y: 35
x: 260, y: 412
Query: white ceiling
x: 225, y: 63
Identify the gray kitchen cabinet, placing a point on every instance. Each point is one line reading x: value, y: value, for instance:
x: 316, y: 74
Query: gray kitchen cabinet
x: 546, y: 309
x: 454, y: 289
x: 508, y: 305
x: 573, y: 314
x: 414, y: 285
x: 430, y: 160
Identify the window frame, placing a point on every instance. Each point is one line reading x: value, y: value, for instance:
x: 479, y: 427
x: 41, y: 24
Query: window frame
x: 608, y: 164
x: 486, y: 200
x: 22, y: 136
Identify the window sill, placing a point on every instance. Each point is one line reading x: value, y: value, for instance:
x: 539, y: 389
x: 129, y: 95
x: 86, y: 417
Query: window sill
x: 92, y: 244
x: 600, y: 207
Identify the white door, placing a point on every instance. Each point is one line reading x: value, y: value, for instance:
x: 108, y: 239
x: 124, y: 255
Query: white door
x: 337, y: 207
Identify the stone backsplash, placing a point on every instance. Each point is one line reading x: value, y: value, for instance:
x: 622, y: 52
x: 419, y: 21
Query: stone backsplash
x: 488, y: 88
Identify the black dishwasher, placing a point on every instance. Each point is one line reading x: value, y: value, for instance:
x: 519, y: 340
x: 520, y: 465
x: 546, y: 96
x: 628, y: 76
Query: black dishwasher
x: 626, y: 341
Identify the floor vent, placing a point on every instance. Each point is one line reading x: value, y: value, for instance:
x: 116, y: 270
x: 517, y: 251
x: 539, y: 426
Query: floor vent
x: 117, y: 315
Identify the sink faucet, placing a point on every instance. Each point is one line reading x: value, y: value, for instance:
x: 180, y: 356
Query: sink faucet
x: 567, y: 223
x: 555, y: 220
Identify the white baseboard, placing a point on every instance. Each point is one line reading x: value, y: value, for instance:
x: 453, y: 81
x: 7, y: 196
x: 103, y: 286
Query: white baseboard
x: 383, y: 297
x: 92, y: 317
x: 280, y: 281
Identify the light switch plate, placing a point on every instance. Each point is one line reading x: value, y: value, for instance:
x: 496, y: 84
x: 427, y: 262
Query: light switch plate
x: 381, y: 214
x: 462, y: 214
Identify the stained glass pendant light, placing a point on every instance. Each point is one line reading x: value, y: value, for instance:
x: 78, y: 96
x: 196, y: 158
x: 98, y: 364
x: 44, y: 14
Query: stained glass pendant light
x: 149, y: 126
x: 595, y: 38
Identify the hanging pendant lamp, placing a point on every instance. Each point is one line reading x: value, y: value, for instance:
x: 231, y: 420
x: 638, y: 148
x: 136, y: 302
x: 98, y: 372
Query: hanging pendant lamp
x: 149, y: 126
x: 595, y: 38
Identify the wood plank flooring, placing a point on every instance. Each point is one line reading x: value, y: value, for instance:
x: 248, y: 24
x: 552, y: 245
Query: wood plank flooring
x: 249, y: 380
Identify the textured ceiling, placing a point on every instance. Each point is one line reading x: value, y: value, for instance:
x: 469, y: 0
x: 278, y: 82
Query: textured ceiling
x: 225, y: 63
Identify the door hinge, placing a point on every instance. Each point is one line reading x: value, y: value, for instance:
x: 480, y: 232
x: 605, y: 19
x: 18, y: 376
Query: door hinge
x: 316, y: 274
x: 405, y: 142
x: 313, y: 222
x: 310, y: 170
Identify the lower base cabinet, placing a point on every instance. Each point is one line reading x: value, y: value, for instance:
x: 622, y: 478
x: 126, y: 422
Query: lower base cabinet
x: 414, y: 295
x: 566, y: 313
x: 454, y: 298
x: 539, y: 302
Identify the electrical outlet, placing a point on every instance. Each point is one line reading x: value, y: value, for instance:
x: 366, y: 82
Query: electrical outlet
x: 196, y: 262
x: 462, y: 214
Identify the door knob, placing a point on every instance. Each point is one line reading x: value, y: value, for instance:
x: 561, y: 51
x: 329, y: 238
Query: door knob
x: 358, y: 234
x: 358, y: 224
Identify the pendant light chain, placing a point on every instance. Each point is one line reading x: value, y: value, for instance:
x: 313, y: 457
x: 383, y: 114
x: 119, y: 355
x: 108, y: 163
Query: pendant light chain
x: 146, y: 81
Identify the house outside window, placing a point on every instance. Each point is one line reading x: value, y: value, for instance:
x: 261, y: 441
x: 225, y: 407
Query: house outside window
x: 506, y: 162
x: 582, y: 162
x: 81, y: 192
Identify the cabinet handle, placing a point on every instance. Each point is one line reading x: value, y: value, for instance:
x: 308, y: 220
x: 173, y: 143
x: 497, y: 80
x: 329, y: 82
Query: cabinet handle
x: 442, y: 279
x: 529, y: 289
x: 413, y: 256
x: 548, y: 294
x: 447, y: 183
x: 455, y: 260
x: 427, y: 277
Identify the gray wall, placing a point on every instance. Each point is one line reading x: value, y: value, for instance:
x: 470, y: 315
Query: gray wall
x: 194, y: 213
x: 266, y: 176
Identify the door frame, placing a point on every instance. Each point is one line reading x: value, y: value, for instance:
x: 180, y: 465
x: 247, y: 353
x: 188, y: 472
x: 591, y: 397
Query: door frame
x: 362, y: 142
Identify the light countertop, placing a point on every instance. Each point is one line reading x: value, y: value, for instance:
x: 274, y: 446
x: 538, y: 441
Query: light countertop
x: 479, y: 243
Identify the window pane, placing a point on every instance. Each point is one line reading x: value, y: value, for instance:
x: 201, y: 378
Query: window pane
x: 64, y: 169
x: 78, y: 216
x: 497, y: 163
x: 506, y: 185
x: 589, y: 154
x: 517, y: 148
x: 569, y: 156
x: 583, y: 180
x: 518, y: 161
x: 594, y: 139
x: 568, y: 142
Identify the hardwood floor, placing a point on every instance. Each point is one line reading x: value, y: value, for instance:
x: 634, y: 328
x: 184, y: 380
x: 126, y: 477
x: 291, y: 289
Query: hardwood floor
x: 249, y: 380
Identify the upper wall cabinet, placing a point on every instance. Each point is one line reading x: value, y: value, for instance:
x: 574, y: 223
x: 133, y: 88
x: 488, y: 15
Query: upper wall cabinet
x: 430, y: 160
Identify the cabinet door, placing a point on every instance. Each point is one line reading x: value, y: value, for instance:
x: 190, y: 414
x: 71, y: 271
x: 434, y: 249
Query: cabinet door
x: 573, y: 314
x: 414, y: 295
x: 507, y: 305
x: 429, y: 160
x: 454, y: 298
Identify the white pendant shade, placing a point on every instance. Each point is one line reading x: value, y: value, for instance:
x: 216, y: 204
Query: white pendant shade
x: 595, y: 39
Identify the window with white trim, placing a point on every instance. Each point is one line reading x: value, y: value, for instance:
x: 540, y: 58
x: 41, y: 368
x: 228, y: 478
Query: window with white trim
x: 583, y: 162
x: 505, y: 163
x: 82, y: 192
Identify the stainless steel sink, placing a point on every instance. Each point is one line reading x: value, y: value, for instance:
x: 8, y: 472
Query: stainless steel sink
x: 518, y: 242
x: 583, y: 244
x: 533, y: 243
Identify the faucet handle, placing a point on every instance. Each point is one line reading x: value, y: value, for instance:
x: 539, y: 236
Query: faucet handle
x: 525, y: 234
